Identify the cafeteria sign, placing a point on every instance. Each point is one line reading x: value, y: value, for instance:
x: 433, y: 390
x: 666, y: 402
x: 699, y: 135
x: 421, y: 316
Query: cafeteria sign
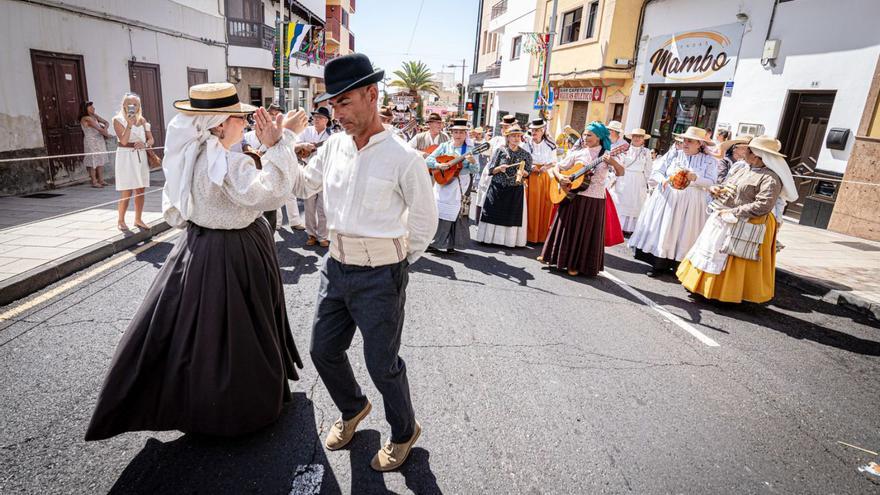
x: 705, y: 55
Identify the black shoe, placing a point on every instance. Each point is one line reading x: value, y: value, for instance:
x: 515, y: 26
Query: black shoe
x: 450, y: 251
x: 654, y: 274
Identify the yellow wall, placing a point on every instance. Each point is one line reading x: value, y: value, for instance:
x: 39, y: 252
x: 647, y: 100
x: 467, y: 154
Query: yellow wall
x: 580, y: 63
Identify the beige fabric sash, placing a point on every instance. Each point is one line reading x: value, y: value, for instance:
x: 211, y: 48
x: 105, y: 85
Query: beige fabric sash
x: 366, y: 251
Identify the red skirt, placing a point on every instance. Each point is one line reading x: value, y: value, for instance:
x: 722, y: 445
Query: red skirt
x: 613, y: 230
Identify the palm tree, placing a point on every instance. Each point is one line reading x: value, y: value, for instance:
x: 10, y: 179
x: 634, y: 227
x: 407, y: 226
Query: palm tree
x: 417, y: 78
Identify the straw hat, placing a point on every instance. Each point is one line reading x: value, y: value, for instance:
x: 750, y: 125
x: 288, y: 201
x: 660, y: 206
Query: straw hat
x: 513, y: 129
x: 477, y: 130
x: 726, y: 145
x: 571, y: 131
x: 213, y: 99
x: 767, y: 144
x: 537, y: 124
x: 615, y: 125
x: 696, y: 134
x: 638, y: 132
x: 459, y: 125
x: 434, y: 117
x: 508, y: 120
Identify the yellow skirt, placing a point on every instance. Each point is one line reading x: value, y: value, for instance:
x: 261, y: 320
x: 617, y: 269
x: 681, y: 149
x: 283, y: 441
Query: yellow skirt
x: 741, y: 280
x: 540, y: 207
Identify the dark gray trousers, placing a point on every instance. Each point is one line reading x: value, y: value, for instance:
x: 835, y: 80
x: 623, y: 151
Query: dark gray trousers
x: 373, y: 300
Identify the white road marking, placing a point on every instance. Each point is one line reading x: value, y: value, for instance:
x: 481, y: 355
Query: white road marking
x: 307, y: 479
x: 88, y: 274
x: 687, y: 327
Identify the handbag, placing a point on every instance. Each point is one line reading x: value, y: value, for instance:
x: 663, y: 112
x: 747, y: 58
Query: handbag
x: 744, y: 240
x: 465, y: 198
x: 153, y: 160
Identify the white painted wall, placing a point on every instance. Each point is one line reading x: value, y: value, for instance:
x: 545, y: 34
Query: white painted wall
x: 824, y: 47
x: 106, y: 48
x: 515, y: 75
x: 512, y: 102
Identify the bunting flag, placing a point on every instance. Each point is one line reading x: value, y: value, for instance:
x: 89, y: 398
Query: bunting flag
x: 296, y: 34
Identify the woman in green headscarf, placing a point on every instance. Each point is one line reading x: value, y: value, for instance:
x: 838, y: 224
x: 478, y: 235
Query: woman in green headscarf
x: 577, y: 238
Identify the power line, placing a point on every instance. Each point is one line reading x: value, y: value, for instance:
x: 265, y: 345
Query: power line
x: 415, y: 26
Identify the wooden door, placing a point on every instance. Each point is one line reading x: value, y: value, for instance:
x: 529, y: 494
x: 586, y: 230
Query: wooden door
x: 60, y: 84
x: 196, y: 76
x: 579, y: 115
x: 804, y: 123
x: 147, y: 83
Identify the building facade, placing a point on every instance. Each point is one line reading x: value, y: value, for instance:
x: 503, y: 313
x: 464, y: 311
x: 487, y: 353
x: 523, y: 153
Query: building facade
x: 252, y: 56
x: 67, y: 53
x: 752, y: 67
x: 340, y: 39
x: 591, y: 60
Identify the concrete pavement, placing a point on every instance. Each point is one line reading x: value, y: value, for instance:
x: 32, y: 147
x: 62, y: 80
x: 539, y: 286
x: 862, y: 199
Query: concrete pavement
x: 525, y: 381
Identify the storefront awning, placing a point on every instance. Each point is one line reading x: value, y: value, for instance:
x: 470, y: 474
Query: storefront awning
x: 476, y: 80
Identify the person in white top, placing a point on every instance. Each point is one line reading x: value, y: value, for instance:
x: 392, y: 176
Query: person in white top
x: 316, y: 220
x: 132, y: 167
x: 381, y: 215
x: 631, y: 190
x: 428, y: 141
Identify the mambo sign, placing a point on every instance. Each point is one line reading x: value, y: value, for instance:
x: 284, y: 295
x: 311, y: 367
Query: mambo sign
x: 706, y: 55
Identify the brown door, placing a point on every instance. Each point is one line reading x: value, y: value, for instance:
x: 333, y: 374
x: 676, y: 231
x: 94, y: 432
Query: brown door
x: 145, y: 81
x: 579, y: 115
x: 60, y: 83
x: 803, y: 129
x: 196, y: 76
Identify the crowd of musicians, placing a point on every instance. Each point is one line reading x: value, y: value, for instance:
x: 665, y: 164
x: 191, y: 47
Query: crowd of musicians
x: 705, y: 212
x: 210, y: 349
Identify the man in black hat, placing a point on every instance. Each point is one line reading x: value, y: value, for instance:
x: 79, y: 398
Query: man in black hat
x: 381, y: 215
x: 426, y: 142
x: 316, y: 221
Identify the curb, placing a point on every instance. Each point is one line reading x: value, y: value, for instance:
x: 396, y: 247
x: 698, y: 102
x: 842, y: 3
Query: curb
x: 24, y: 284
x: 828, y: 293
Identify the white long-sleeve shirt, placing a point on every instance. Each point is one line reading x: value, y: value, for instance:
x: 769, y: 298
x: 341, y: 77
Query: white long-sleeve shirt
x: 380, y: 191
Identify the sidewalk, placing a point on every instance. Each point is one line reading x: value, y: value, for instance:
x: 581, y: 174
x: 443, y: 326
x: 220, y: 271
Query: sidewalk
x: 40, y: 244
x: 844, y: 270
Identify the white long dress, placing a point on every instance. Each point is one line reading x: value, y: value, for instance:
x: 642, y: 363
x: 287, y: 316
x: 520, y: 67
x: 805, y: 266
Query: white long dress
x: 672, y: 219
x: 630, y: 191
x: 132, y: 167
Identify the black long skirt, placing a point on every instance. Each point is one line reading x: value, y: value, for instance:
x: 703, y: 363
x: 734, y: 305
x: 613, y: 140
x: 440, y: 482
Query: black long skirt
x: 503, y: 205
x: 452, y: 235
x: 577, y: 236
x: 209, y: 350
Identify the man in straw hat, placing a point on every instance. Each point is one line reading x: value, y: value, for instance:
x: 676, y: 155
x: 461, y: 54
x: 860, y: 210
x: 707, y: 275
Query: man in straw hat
x: 675, y: 213
x: 426, y: 142
x: 615, y: 130
x: 381, y: 215
x: 209, y: 350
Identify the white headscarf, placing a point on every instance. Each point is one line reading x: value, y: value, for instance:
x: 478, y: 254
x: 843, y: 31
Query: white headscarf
x: 777, y: 164
x: 183, y: 144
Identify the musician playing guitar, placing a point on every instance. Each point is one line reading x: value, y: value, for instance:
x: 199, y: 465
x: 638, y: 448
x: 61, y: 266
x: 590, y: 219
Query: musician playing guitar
x: 428, y: 141
x: 452, y: 229
x: 577, y: 238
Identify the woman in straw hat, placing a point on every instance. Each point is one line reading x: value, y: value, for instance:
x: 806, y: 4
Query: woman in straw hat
x: 543, y: 152
x: 631, y: 190
x: 731, y: 154
x: 209, y: 350
x: 577, y: 237
x: 453, y: 230
x: 708, y: 270
x: 496, y: 142
x: 675, y: 213
x: 504, y: 218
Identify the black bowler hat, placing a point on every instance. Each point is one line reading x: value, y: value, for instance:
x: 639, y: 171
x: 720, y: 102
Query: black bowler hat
x: 348, y: 72
x: 323, y: 112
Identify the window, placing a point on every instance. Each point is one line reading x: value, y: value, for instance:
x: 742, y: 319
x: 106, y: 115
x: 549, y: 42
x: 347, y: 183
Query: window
x: 244, y: 22
x: 483, y: 51
x: 196, y: 76
x: 494, y: 42
x: 591, y: 19
x: 617, y: 112
x: 256, y: 96
x: 516, y: 49
x: 344, y: 18
x: 571, y: 26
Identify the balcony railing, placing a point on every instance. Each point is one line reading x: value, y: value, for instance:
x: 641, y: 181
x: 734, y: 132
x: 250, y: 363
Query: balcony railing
x: 499, y: 8
x: 493, y: 71
x: 244, y: 32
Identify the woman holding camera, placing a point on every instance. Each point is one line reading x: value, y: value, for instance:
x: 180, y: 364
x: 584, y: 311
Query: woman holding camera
x: 132, y: 165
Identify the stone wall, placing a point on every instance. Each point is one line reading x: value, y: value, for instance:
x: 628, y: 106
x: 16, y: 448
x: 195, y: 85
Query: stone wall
x: 855, y: 212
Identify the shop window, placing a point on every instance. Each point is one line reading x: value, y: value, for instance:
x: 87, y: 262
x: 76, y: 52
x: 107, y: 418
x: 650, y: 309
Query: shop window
x: 256, y: 96
x: 571, y: 26
x: 516, y: 49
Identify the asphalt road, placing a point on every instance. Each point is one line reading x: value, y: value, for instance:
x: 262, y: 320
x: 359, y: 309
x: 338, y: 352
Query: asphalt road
x: 524, y: 380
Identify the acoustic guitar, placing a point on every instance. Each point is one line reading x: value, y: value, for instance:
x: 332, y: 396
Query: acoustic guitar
x: 577, y: 174
x: 454, y: 164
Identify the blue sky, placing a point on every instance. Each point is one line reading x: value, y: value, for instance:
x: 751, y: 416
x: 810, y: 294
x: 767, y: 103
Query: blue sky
x: 444, y: 33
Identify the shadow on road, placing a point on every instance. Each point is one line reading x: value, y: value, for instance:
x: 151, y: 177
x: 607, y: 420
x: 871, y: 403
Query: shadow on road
x: 290, y: 258
x: 279, y: 459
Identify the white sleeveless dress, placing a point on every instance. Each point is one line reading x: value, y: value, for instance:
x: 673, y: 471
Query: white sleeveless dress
x: 132, y: 166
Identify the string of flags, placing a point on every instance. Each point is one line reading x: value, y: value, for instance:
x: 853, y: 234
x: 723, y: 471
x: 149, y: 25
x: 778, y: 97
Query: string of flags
x: 537, y: 45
